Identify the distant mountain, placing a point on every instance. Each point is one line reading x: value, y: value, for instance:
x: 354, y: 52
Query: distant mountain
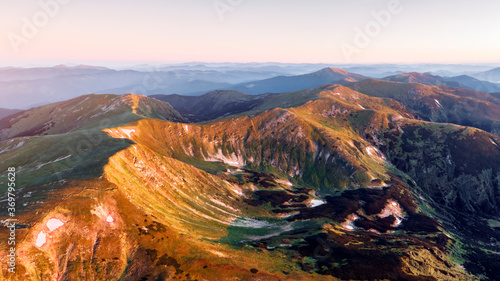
x: 283, y: 84
x: 23, y: 93
x: 192, y: 87
x: 83, y: 113
x: 6, y: 112
x: 11, y: 74
x: 492, y: 75
x: 23, y: 87
x: 476, y: 84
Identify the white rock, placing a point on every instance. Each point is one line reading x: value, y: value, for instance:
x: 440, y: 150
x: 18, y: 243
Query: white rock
x: 41, y: 239
x: 54, y: 224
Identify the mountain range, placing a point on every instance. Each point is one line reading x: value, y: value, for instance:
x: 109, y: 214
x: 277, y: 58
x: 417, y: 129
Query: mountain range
x: 334, y: 177
x: 30, y: 87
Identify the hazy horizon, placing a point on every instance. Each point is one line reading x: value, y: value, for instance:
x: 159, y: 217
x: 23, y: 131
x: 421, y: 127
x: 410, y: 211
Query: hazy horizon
x: 118, y: 65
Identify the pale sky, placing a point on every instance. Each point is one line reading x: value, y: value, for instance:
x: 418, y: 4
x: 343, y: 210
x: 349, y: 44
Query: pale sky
x: 297, y: 31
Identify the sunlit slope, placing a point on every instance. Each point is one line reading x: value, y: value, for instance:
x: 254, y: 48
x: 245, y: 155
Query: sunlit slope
x: 85, y: 112
x: 189, y: 199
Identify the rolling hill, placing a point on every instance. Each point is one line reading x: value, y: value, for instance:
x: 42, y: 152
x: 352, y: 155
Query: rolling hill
x: 307, y: 185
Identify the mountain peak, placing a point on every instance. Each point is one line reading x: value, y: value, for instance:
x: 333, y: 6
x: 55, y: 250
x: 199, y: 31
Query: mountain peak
x: 417, y: 77
x: 61, y: 66
x: 412, y: 74
x: 133, y: 96
x: 329, y: 70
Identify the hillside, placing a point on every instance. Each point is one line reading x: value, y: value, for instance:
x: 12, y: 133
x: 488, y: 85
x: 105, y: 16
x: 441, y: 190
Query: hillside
x: 440, y: 104
x: 308, y: 185
x: 85, y: 112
